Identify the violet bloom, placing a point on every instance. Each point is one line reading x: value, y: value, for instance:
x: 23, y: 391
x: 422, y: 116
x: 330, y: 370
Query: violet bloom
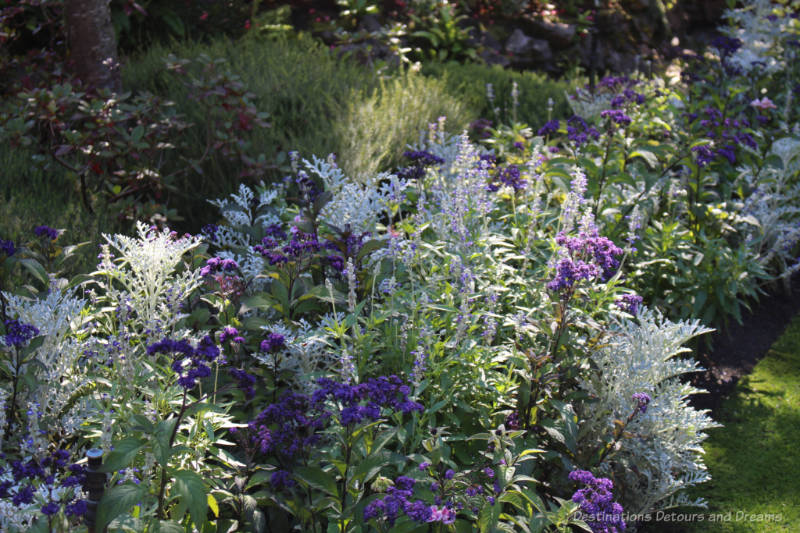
x: 46, y: 231
x: 274, y: 342
x: 398, y: 500
x: 629, y: 303
x: 617, y: 116
x: 550, y: 128
x: 217, y: 264
x: 599, y: 511
x: 704, y: 155
x: 642, y: 399
x: 189, y: 363
x: 7, y: 247
x: 245, y: 382
x: 18, y: 333
x: 590, y: 256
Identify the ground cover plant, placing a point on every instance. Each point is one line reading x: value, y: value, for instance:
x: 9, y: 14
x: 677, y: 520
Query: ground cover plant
x: 762, y: 405
x: 483, y: 332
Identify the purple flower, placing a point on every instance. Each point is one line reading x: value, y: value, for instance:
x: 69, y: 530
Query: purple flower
x: 274, y: 342
x: 704, y: 155
x: 7, y: 247
x: 281, y: 479
x: 217, y: 264
x: 642, y: 399
x: 18, y: 333
x: 210, y: 231
x: 78, y: 508
x: 189, y: 363
x: 589, y: 256
x: 550, y: 128
x: 728, y: 152
x: 629, y: 303
x: 46, y: 231
x: 23, y: 496
x: 449, y: 474
x: 50, y: 509
x: 230, y: 332
x: 245, y: 382
x: 617, y: 116
x: 595, y: 499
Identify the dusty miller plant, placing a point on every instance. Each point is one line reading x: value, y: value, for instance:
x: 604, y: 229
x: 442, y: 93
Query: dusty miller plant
x: 660, y: 452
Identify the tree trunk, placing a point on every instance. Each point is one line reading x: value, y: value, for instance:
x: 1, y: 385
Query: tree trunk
x: 92, y: 44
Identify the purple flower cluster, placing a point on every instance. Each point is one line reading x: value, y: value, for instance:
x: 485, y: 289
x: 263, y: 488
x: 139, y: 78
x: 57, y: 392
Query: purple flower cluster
x: 616, y: 116
x: 727, y: 46
x: 599, y: 511
x: 365, y: 400
x: 642, y: 399
x: 210, y: 232
x: 308, y: 188
x: 509, y: 176
x: 274, y: 342
x: 189, y: 363
x: 550, y: 128
x: 301, y: 244
x: 232, y: 334
x: 729, y: 132
x: 217, y: 264
x: 7, y: 247
x: 46, y: 231
x: 245, y: 382
x: 18, y: 333
x: 287, y: 428
x: 590, y: 256
x: 628, y: 96
x: 420, y: 160
x: 579, y: 131
x: 704, y: 155
x: 629, y: 303
x: 615, y: 83
x: 398, y: 499
x: 26, y: 474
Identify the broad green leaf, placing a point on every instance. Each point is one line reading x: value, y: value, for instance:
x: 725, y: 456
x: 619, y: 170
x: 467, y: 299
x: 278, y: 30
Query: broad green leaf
x: 117, y: 501
x: 317, y: 478
x: 190, y: 487
x: 123, y: 453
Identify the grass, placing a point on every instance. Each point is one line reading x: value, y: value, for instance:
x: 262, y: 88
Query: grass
x: 754, y: 459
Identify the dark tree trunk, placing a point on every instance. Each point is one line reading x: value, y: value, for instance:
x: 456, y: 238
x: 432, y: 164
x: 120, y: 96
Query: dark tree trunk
x: 92, y: 44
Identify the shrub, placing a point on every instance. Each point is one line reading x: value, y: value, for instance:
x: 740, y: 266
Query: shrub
x: 469, y: 82
x: 656, y: 446
x: 379, y: 125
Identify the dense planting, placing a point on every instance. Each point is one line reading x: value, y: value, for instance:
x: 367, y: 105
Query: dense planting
x: 487, y: 338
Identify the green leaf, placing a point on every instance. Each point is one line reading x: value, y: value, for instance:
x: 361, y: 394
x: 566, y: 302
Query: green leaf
x: 163, y: 433
x: 317, y: 478
x: 190, y: 487
x: 116, y: 501
x: 36, y: 270
x: 368, y: 468
x: 123, y: 453
x: 487, y: 521
x: 649, y: 157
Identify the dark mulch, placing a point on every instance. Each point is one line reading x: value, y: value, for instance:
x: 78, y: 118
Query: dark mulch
x: 736, y: 349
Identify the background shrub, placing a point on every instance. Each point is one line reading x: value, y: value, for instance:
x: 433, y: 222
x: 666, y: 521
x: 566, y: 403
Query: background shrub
x: 469, y: 82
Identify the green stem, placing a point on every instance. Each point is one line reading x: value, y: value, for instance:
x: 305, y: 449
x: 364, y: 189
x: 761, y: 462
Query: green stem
x: 161, y: 512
